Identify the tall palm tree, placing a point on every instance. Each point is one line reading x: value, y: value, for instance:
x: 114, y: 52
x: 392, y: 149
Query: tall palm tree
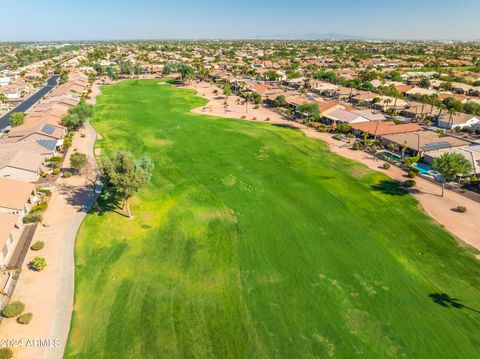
x: 404, y: 149
x: 387, y: 102
x: 452, y: 112
x: 432, y: 101
x: 248, y: 95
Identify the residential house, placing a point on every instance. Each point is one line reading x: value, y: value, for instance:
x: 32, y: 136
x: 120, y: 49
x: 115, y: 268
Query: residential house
x: 342, y: 116
x: 16, y: 197
x: 380, y: 129
x: 471, y: 154
x: 418, y: 143
x: 370, y: 115
x: 20, y: 165
x: 11, y: 227
x: 458, y: 120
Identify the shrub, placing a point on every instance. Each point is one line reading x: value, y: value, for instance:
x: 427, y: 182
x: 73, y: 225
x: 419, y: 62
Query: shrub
x: 25, y: 318
x: 386, y: 166
x: 78, y: 161
x: 40, y: 207
x: 17, y: 119
x: 46, y: 192
x: 356, y: 146
x: 55, y: 161
x: 409, y: 183
x: 460, y: 209
x: 14, y: 309
x: 412, y: 173
x: 55, y: 171
x: 38, y: 264
x: 37, y: 246
x: 411, y: 160
x: 67, y: 174
x: 32, y: 218
x: 6, y: 353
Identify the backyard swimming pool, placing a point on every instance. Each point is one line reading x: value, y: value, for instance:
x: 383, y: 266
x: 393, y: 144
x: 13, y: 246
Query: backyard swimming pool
x: 425, y: 169
x: 389, y: 156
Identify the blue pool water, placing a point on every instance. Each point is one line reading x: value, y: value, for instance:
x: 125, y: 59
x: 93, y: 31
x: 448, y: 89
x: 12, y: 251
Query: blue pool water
x: 422, y: 167
x: 390, y: 156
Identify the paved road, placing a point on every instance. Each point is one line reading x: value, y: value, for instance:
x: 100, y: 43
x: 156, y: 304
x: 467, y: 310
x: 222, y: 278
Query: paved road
x: 29, y: 102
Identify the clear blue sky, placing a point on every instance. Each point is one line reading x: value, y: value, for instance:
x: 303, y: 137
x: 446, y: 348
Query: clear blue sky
x: 158, y: 19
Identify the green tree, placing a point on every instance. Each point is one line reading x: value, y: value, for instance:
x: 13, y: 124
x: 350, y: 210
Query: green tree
x: 280, y: 101
x: 425, y: 83
x: 111, y: 72
x: 227, y: 91
x: 309, y: 111
x: 472, y: 108
x: 124, y: 176
x: 78, y: 161
x: 17, y: 119
x: 271, y: 75
x: 78, y: 115
x: 63, y: 78
x: 257, y: 98
x: 451, y: 165
x: 185, y: 70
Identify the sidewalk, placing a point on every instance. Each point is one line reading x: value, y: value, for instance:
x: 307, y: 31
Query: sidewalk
x: 49, y: 294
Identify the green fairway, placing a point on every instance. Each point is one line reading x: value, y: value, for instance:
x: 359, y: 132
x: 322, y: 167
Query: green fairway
x: 254, y: 241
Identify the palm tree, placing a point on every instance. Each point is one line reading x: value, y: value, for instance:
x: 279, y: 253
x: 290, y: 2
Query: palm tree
x: 387, y: 102
x: 432, y: 101
x: 452, y: 112
x: 404, y: 149
x: 248, y: 95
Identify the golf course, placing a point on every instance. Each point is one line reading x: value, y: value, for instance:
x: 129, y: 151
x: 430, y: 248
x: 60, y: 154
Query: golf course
x: 253, y: 241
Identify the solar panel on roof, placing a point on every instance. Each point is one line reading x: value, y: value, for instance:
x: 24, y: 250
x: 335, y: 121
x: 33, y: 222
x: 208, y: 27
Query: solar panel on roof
x: 48, y: 129
x: 437, y: 146
x: 50, y: 144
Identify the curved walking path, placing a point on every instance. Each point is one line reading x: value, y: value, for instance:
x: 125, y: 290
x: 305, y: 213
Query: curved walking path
x: 464, y: 226
x: 49, y: 294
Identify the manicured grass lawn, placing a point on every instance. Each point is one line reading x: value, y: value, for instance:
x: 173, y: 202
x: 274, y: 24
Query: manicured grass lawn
x: 253, y: 241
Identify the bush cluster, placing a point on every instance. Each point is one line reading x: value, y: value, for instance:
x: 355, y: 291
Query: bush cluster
x: 46, y: 192
x: 409, y: 183
x: 37, y: 246
x: 38, y: 264
x: 32, y: 218
x: 6, y: 353
x: 25, y: 318
x: 14, y: 309
x: 40, y: 207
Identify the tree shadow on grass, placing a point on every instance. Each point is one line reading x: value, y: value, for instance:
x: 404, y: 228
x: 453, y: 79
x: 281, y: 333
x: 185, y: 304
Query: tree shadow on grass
x: 446, y: 301
x: 390, y: 187
x: 286, y: 125
x: 108, y: 202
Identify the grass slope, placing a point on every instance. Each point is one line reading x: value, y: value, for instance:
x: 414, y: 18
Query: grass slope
x: 254, y: 241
